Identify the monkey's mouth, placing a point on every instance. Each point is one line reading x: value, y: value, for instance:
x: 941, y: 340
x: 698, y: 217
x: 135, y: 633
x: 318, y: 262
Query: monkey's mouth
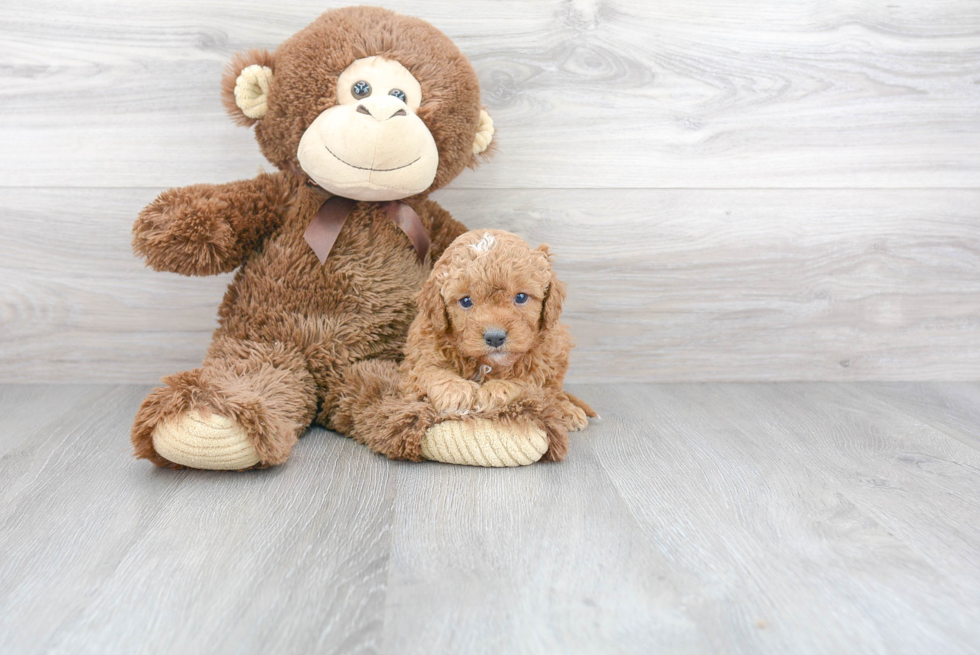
x: 364, y: 168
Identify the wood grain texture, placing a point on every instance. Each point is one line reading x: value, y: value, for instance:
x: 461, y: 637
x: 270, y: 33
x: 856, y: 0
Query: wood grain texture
x: 584, y: 94
x: 692, y: 518
x: 27, y: 409
x: 727, y: 185
x: 103, y: 554
x: 552, y: 548
x: 880, y: 452
x: 664, y: 284
x: 816, y: 507
x: 951, y: 407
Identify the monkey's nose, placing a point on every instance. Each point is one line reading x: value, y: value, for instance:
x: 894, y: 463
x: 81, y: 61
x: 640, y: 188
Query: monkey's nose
x: 495, y: 337
x: 380, y: 113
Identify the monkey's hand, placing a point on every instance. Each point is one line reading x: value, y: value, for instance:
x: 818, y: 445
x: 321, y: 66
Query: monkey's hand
x: 206, y: 229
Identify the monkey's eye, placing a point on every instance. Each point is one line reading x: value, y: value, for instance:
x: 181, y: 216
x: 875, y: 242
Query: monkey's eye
x: 466, y: 302
x: 361, y: 89
x: 520, y: 298
x: 398, y: 93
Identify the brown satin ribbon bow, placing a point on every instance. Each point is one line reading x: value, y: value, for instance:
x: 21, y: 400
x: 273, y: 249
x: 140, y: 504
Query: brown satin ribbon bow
x: 325, y: 227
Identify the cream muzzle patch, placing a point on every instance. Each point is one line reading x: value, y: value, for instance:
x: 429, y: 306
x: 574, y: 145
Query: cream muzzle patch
x: 371, y: 145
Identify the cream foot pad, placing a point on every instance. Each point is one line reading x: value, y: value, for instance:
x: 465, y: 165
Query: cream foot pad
x: 484, y: 443
x: 215, y: 443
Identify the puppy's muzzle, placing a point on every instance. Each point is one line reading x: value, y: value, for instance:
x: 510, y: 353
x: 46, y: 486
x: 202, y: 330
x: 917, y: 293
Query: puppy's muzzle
x: 495, y: 337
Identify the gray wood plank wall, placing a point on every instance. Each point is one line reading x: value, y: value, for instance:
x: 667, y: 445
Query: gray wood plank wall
x: 763, y: 191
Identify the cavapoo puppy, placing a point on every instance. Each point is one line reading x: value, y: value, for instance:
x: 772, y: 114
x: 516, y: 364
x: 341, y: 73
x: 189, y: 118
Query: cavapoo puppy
x: 487, y: 332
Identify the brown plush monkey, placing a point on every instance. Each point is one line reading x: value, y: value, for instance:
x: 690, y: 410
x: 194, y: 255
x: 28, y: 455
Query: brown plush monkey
x: 364, y: 113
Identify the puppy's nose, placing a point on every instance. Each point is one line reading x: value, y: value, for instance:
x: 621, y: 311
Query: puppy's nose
x: 495, y: 337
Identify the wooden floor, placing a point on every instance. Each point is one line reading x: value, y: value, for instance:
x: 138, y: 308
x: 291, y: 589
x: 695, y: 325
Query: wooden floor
x: 693, y: 518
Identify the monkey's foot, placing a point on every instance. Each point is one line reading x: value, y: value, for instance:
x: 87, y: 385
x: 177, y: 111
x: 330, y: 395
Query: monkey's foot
x: 481, y: 442
x: 215, y: 443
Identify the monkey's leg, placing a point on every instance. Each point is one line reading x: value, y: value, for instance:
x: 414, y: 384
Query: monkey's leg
x: 365, y: 405
x: 530, y: 429
x: 245, y: 407
x: 479, y: 441
x: 362, y: 402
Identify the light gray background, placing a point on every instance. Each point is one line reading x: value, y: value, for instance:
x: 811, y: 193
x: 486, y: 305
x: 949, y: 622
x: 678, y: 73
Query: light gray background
x: 734, y: 191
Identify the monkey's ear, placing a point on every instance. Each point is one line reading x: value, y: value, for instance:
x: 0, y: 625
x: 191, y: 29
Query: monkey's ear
x: 484, y: 133
x: 245, y: 85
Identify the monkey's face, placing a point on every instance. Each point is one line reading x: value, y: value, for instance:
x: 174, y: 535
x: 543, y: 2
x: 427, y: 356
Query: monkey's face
x: 371, y: 105
x: 371, y: 145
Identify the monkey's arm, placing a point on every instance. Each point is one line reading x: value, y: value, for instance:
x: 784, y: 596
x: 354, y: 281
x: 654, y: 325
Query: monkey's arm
x: 205, y: 229
x: 443, y: 228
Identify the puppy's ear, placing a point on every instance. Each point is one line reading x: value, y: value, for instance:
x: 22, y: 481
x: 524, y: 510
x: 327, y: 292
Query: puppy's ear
x: 554, y: 297
x: 431, y: 306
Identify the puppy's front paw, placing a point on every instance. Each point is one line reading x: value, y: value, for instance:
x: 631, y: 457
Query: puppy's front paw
x: 454, y: 395
x: 576, y: 419
x: 497, y: 393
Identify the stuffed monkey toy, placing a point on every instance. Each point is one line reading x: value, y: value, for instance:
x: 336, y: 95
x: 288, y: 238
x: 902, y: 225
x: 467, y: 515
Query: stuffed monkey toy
x: 364, y: 113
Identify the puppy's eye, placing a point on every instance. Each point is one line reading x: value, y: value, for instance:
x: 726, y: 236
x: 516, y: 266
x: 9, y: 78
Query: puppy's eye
x: 360, y: 89
x: 466, y: 302
x: 520, y: 298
